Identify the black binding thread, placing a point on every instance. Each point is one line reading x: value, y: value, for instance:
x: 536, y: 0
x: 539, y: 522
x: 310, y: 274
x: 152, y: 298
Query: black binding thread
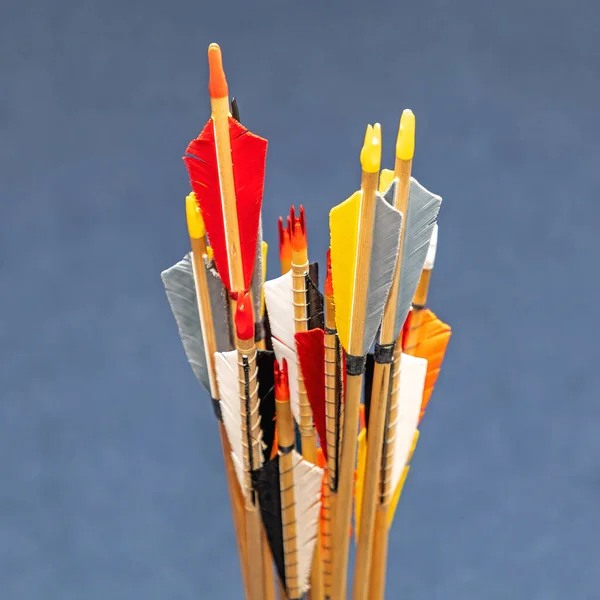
x: 286, y: 449
x: 355, y: 365
x: 259, y: 331
x: 384, y: 353
x: 217, y: 409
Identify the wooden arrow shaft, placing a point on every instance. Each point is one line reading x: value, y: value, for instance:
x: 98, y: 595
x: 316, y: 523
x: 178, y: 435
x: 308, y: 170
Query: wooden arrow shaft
x: 252, y: 459
x: 286, y: 441
x: 220, y: 116
x: 306, y: 424
x: 208, y: 333
x: 379, y: 403
x: 378, y: 566
x: 343, y: 518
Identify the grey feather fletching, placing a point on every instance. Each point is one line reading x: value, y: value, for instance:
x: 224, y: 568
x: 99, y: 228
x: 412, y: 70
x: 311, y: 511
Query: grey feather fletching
x: 423, y: 208
x: 220, y: 309
x: 384, y: 253
x: 181, y: 293
x: 257, y: 279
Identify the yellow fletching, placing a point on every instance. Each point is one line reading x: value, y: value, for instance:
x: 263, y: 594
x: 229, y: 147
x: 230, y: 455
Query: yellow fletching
x: 405, y: 144
x: 385, y: 178
x: 265, y: 250
x: 360, y: 477
x: 396, y: 496
x: 195, y: 222
x: 400, y: 486
x: 370, y: 155
x: 209, y: 253
x: 343, y: 224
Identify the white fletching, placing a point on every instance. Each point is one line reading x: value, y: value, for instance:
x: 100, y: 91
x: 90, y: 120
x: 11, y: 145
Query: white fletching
x: 279, y: 297
x: 410, y: 396
x: 430, y: 258
x: 307, y: 494
x: 227, y: 378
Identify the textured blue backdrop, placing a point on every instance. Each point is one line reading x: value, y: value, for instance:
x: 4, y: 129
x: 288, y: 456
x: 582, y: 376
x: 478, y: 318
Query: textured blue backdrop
x: 111, y: 481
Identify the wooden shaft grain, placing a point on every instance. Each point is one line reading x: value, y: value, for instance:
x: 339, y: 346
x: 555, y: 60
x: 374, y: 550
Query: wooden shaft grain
x: 331, y: 437
x: 306, y: 424
x: 205, y: 311
x: 252, y: 459
x: 220, y: 116
x: 268, y: 578
x: 198, y: 246
x: 288, y: 500
x: 299, y: 271
x: 377, y: 573
x: 325, y: 536
x: 379, y: 404
x: 380, y: 548
x: 341, y: 539
x: 237, y: 505
x: 379, y: 396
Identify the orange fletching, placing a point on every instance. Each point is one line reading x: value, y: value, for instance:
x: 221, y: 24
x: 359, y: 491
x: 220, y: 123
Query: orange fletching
x: 433, y: 336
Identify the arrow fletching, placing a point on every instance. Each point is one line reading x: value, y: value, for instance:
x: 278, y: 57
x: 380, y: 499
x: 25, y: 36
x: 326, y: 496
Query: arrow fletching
x: 311, y: 355
x: 248, y: 155
x: 181, y: 293
x: 343, y: 220
x: 433, y: 338
x: 423, y: 208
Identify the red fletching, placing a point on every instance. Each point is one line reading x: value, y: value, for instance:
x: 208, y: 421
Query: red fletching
x: 329, y: 276
x: 282, y: 385
x: 248, y: 155
x: 311, y: 356
x: 244, y: 319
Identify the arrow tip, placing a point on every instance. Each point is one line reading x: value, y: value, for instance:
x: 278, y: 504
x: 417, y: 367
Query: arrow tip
x: 244, y: 320
x: 405, y: 144
x: 282, y: 386
x: 370, y: 155
x: 195, y: 222
x: 217, y: 84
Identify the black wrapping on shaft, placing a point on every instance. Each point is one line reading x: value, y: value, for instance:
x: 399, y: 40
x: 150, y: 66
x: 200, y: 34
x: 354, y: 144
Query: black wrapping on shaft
x: 217, y: 409
x: 355, y: 365
x: 384, y: 353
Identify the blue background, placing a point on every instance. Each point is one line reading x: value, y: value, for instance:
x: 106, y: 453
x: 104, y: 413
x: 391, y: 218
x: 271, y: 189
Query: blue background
x: 111, y: 481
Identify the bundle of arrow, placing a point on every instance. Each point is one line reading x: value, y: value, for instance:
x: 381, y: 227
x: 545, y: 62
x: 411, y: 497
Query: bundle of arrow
x: 286, y: 366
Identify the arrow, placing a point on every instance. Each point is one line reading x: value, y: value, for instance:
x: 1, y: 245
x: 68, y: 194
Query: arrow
x: 289, y: 488
x: 198, y: 302
x: 251, y: 434
x: 365, y: 232
x: 229, y: 196
x: 397, y: 455
x: 420, y: 214
x: 292, y: 300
